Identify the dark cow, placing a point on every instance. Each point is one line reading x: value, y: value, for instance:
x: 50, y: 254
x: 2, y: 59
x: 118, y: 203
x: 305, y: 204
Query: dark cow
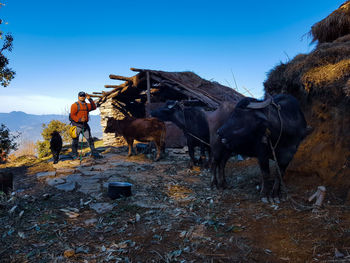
x: 192, y: 121
x: 215, y: 120
x: 143, y: 130
x: 6, y: 182
x: 255, y: 127
x: 55, y: 145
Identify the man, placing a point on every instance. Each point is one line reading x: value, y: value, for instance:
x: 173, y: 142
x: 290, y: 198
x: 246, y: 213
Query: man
x: 79, y: 117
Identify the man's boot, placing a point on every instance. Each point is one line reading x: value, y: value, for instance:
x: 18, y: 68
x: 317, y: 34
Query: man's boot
x: 94, y: 153
x: 74, y: 153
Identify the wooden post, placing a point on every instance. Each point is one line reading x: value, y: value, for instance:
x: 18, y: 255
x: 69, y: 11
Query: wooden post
x: 148, y: 92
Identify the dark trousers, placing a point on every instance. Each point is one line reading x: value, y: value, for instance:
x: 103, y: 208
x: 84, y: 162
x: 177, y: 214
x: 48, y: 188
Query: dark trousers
x: 87, y: 134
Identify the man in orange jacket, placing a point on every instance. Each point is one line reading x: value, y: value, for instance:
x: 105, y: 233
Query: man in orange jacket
x: 79, y: 117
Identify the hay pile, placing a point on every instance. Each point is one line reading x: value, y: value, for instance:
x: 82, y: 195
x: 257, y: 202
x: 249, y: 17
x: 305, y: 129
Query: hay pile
x: 336, y: 25
x: 321, y: 81
x: 324, y: 72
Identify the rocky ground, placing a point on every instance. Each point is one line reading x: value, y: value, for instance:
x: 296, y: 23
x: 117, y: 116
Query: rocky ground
x: 61, y: 213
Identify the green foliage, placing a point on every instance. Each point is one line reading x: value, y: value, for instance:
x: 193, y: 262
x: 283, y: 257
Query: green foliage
x: 56, y: 125
x: 43, y: 147
x: 6, y: 73
x: 7, y: 141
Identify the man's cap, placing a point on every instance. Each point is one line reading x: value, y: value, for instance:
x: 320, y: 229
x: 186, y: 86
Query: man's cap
x: 81, y: 94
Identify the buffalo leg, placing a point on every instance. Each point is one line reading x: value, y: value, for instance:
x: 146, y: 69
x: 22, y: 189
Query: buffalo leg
x: 265, y: 171
x: 222, y: 184
x: 203, y: 156
x: 284, y: 156
x: 191, y: 152
x: 213, y: 180
x: 276, y: 189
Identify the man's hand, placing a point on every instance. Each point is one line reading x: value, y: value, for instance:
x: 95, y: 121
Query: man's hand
x: 88, y: 96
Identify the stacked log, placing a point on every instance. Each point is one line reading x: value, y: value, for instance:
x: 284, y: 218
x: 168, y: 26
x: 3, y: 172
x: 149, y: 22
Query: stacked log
x: 108, y: 110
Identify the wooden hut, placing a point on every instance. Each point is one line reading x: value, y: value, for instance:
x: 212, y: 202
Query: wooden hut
x: 150, y: 89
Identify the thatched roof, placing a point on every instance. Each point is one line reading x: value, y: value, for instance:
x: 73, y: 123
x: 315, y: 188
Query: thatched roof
x: 323, y: 72
x: 133, y: 93
x: 336, y: 25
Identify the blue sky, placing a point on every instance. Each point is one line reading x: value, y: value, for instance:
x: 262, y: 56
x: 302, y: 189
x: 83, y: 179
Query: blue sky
x: 63, y: 47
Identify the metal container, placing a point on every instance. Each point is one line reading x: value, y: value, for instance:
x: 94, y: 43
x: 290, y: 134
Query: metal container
x: 119, y: 189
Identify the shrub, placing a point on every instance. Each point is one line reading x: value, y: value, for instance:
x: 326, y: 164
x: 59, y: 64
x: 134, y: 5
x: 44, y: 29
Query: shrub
x: 7, y: 141
x: 43, y: 147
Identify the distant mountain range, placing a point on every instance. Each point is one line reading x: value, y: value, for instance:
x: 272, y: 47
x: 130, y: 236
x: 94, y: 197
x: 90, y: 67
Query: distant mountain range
x: 30, y: 125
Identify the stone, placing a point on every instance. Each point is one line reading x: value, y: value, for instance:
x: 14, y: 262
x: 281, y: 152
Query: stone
x: 89, y: 186
x: 101, y: 207
x: 69, y: 186
x: 149, y: 205
x: 55, y: 181
x: 122, y: 163
x: 74, y: 178
x: 65, y: 171
x: 45, y: 174
x: 90, y: 221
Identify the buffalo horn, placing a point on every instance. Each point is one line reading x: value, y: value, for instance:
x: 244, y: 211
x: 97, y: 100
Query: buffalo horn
x: 259, y: 105
x: 170, y: 106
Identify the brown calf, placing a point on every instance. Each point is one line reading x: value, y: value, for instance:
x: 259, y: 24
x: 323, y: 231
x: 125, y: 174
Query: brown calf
x: 143, y: 130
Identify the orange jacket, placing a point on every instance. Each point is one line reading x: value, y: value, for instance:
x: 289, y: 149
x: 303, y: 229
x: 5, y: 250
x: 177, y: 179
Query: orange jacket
x: 79, y: 112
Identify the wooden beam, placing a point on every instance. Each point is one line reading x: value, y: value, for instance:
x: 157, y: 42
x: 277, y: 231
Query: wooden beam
x: 137, y: 69
x: 111, y: 76
x: 95, y: 96
x: 113, y: 95
x: 148, y: 88
x: 114, y: 86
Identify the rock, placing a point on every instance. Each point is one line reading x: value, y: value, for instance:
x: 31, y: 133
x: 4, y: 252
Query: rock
x: 45, y: 174
x: 89, y: 186
x: 74, y: 178
x: 65, y: 171
x: 149, y: 205
x: 69, y: 186
x: 87, y: 171
x: 101, y: 207
x: 122, y: 163
x: 90, y: 221
x: 55, y: 181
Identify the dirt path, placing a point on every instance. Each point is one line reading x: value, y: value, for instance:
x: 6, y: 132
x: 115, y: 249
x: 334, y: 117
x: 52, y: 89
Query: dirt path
x: 62, y: 214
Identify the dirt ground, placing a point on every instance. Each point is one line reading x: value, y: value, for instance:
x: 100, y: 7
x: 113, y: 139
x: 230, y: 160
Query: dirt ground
x: 172, y: 216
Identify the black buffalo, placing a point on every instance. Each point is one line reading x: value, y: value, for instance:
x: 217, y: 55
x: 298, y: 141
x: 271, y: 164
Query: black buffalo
x: 192, y: 121
x: 55, y: 145
x: 254, y: 128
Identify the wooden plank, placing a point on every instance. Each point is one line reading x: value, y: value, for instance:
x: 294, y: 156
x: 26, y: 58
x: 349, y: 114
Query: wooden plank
x: 114, y: 86
x: 138, y: 70
x: 117, y: 77
x: 95, y: 96
x: 148, y: 88
x: 209, y: 101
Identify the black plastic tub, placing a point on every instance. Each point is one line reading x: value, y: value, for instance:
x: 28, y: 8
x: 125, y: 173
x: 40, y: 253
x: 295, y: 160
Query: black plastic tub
x: 119, y: 189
